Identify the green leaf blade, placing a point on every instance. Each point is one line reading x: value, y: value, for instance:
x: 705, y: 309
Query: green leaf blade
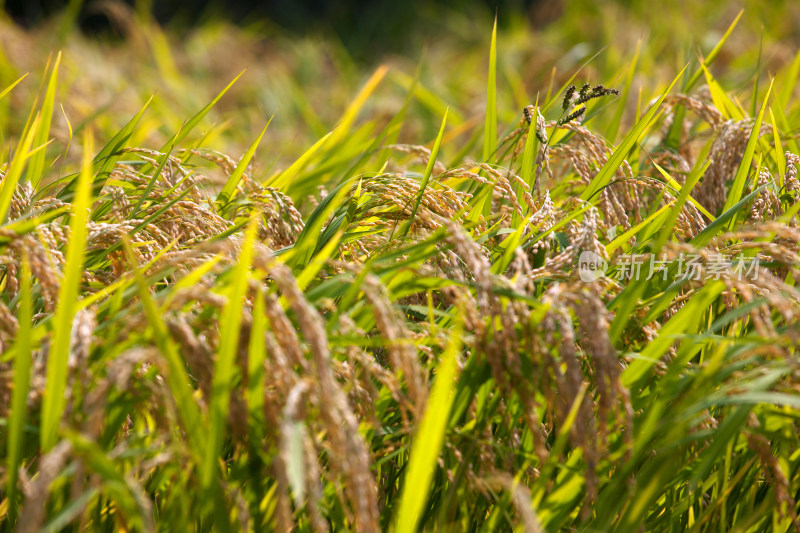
x: 53, y: 402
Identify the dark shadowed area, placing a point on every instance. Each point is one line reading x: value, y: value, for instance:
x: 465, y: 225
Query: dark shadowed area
x: 367, y: 29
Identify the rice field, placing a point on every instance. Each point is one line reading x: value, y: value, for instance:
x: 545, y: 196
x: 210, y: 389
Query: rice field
x: 536, y: 278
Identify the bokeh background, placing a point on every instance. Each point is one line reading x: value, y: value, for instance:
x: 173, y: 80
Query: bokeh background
x: 306, y: 61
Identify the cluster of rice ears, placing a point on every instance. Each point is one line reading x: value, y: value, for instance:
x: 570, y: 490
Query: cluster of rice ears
x: 370, y: 338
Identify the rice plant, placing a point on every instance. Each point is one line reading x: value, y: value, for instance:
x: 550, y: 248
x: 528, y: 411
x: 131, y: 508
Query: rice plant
x: 588, y: 321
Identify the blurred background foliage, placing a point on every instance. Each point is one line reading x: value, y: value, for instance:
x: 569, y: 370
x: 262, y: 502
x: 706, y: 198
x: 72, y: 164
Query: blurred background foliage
x: 305, y: 61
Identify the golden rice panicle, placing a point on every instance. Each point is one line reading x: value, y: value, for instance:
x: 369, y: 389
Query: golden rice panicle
x: 402, y: 353
x: 766, y: 205
x: 349, y: 451
x: 725, y: 155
